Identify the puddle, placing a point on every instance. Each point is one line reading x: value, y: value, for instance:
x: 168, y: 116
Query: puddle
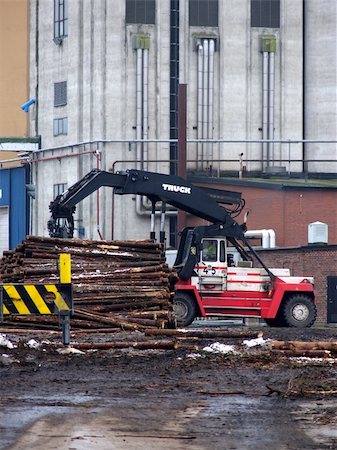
x: 221, y: 422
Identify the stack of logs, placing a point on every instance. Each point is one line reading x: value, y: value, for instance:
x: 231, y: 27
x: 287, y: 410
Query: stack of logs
x: 116, y: 284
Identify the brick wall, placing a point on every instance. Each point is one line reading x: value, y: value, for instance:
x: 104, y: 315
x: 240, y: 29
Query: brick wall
x: 316, y: 261
x: 288, y: 210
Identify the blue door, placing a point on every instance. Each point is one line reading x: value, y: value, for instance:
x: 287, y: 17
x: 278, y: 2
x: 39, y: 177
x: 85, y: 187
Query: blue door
x: 13, y: 197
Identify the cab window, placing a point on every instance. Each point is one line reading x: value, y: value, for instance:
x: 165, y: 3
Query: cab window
x: 222, y: 251
x: 209, y: 250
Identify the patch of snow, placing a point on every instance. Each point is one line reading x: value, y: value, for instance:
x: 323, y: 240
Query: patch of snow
x: 4, y: 342
x: 32, y: 343
x: 68, y: 350
x: 193, y: 356
x: 255, y: 342
x: 216, y: 347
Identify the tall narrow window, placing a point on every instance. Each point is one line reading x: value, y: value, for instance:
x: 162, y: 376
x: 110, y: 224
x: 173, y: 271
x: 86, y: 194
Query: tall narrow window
x: 203, y: 13
x: 60, y: 93
x: 60, y: 20
x: 265, y: 13
x: 140, y: 11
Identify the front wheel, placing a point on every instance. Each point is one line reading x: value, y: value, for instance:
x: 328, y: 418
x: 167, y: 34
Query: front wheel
x: 298, y: 311
x: 184, y: 309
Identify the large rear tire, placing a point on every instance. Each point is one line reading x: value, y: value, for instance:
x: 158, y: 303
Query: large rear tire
x: 298, y: 311
x: 273, y: 323
x: 184, y: 309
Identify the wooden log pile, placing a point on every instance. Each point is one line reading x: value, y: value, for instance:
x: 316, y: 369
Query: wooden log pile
x: 116, y: 284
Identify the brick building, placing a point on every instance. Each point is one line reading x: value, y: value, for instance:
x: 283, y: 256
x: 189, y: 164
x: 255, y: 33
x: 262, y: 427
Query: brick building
x: 286, y: 206
x: 317, y: 261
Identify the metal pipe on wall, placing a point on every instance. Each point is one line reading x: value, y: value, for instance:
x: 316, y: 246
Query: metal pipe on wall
x: 265, y: 96
x: 209, y: 156
x: 143, y: 205
x: 139, y: 95
x: 271, y: 84
x: 205, y: 97
x: 145, y: 106
x: 199, y: 100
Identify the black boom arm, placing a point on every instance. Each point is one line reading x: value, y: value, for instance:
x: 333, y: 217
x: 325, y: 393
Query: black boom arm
x: 171, y: 189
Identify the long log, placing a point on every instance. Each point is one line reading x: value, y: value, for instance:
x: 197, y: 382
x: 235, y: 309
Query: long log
x: 304, y: 345
x: 141, y: 345
x: 204, y: 333
x: 302, y: 353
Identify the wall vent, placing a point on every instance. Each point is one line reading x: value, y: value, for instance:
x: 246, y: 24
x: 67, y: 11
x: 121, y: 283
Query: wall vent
x: 317, y: 233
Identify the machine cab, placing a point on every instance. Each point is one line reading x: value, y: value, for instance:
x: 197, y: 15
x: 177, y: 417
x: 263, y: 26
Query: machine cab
x: 213, y: 265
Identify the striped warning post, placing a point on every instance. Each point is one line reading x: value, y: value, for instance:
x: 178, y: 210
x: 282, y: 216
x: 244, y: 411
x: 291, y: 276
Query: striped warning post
x: 35, y: 299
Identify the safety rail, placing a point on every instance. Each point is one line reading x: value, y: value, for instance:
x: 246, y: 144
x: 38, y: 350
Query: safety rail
x: 293, y: 156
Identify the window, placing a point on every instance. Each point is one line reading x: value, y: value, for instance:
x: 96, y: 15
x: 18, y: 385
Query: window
x: 265, y: 13
x: 141, y: 11
x: 209, y: 250
x: 61, y: 126
x: 60, y: 93
x: 203, y: 13
x: 59, y: 189
x: 60, y: 20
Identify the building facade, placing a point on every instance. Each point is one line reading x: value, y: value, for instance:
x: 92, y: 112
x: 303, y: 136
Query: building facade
x: 105, y: 76
x: 14, y: 143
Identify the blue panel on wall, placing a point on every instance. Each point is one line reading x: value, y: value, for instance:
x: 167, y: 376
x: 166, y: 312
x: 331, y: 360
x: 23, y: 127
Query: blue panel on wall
x: 17, y: 215
x: 5, y: 187
x: 13, y: 195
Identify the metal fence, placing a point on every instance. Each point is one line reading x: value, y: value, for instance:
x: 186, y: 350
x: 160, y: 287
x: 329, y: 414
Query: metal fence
x: 212, y: 156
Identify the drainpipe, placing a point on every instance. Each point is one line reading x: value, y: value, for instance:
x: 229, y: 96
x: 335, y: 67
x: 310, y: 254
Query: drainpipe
x: 205, y: 97
x: 145, y: 106
x: 210, y: 102
x: 199, y: 127
x: 139, y: 76
x: 271, y: 83
x: 265, y: 159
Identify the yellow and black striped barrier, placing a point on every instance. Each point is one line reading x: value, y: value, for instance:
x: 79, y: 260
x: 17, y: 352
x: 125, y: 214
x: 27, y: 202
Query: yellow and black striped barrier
x: 36, y: 299
x: 41, y: 299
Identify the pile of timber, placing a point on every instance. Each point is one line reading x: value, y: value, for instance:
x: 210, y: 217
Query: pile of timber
x: 116, y: 284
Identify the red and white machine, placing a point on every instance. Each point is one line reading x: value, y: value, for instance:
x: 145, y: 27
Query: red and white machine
x: 210, y: 282
x: 221, y: 286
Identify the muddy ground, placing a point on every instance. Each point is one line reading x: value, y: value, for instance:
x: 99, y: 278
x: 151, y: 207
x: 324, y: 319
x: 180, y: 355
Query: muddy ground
x: 167, y: 399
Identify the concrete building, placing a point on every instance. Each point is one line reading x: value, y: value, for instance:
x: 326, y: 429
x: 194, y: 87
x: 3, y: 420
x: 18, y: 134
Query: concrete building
x: 105, y: 74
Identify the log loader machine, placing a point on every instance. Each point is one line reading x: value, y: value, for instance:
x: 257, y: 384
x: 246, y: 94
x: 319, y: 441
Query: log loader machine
x: 210, y: 282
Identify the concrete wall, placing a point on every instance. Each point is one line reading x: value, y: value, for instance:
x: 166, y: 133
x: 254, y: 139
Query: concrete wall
x: 14, y: 67
x: 321, y: 81
x: 98, y: 61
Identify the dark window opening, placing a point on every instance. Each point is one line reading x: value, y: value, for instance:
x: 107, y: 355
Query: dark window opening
x: 203, y: 13
x: 140, y: 11
x: 60, y: 93
x: 265, y: 13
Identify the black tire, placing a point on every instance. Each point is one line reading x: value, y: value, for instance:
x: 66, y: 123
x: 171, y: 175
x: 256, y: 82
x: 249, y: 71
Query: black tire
x: 184, y: 309
x: 298, y: 311
x: 273, y: 323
